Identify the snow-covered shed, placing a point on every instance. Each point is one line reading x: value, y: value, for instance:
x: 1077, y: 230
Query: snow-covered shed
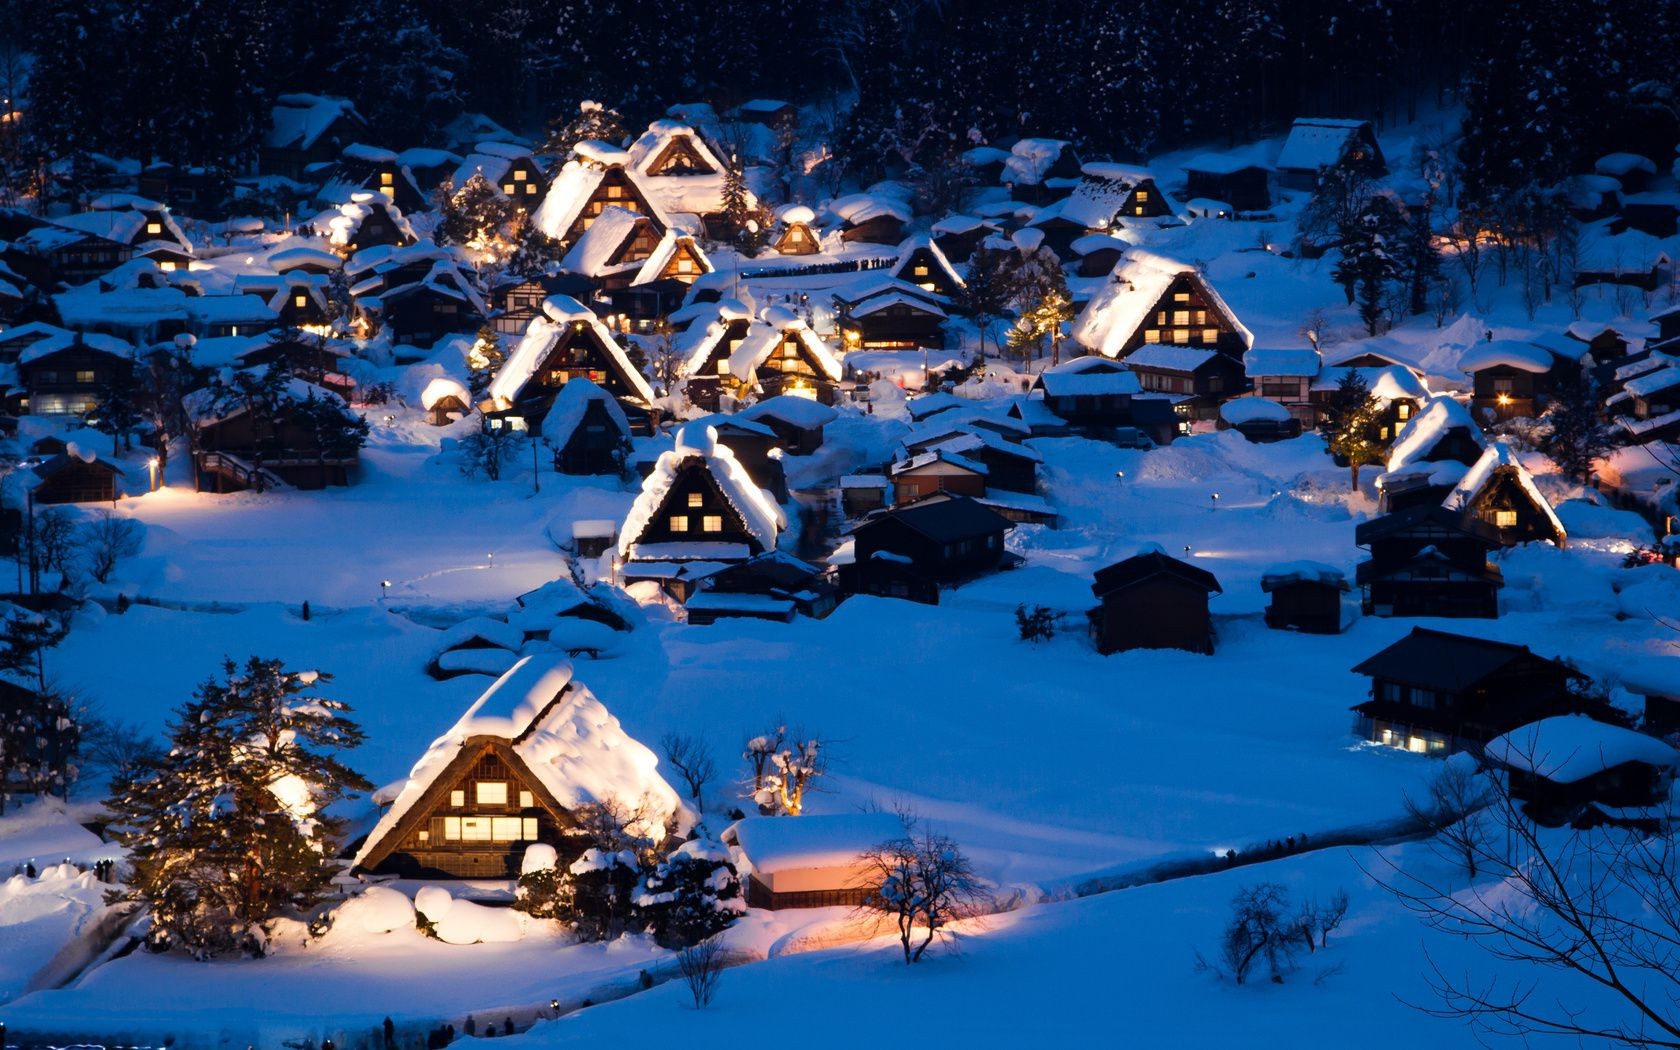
x: 513, y: 771
x: 1239, y: 181
x: 445, y: 400
x: 1561, y: 764
x: 923, y: 264
x: 478, y: 645
x: 1511, y: 377
x: 797, y: 421
x: 307, y: 130
x: 587, y: 429
x: 811, y: 861
x: 1306, y: 596
x: 795, y: 232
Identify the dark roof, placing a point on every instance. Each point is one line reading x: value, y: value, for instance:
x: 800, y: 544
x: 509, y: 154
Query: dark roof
x: 770, y: 569
x: 1428, y: 514
x: 64, y: 461
x: 1450, y: 663
x: 942, y: 517
x: 1141, y: 567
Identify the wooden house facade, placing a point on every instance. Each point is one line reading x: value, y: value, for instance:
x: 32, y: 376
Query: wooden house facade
x: 1428, y: 561
x: 1306, y: 597
x: 1572, y: 769
x: 1434, y: 692
x: 910, y: 551
x: 1242, y: 184
x: 1152, y: 601
x: 72, y: 478
x: 67, y: 380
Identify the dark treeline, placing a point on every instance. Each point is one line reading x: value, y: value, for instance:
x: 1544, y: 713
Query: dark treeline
x: 190, y: 81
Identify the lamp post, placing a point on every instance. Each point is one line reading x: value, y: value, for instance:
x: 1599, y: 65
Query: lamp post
x: 1215, y: 501
x: 384, y: 590
x: 152, y: 465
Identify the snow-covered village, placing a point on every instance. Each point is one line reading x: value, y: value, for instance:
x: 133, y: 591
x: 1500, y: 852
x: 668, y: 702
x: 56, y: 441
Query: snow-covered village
x: 1051, y: 524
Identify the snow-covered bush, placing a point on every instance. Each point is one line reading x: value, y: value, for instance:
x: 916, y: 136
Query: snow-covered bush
x: 378, y: 909
x: 691, y: 895
x: 604, y: 893
x: 545, y: 889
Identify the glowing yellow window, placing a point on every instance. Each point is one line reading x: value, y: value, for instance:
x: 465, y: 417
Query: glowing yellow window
x: 506, y: 829
x: 615, y: 192
x: 507, y: 187
x: 1505, y: 519
x: 452, y: 829
x: 1405, y: 410
x: 921, y: 271
x: 458, y: 798
x: 300, y: 300
x: 1201, y: 317
x: 723, y: 368
x: 530, y: 187
x: 168, y: 265
x: 154, y: 227
x: 530, y: 834
x: 712, y: 523
x: 490, y: 792
x: 387, y: 178
x: 1152, y: 335
x: 1161, y: 317
x: 1210, y: 335
x: 679, y: 523
x: 1181, y: 297
x: 696, y: 499
x: 1180, y: 335
x: 519, y: 175
x: 526, y: 801
x: 1142, y: 196
x: 1181, y: 317
x: 475, y: 829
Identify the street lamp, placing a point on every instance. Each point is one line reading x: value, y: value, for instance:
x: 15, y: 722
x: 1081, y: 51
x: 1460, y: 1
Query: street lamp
x: 1119, y: 475
x: 152, y: 465
x: 384, y: 590
x: 1215, y: 501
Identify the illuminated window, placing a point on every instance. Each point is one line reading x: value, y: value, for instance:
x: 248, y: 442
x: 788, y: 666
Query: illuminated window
x: 712, y: 523
x: 1201, y: 317
x: 615, y: 192
x: 387, y: 178
x: 506, y: 829
x: 1180, y: 335
x: 1161, y: 317
x: 1140, y: 210
x: 490, y: 792
x: 425, y: 835
x: 530, y: 834
x: 84, y: 376
x: 1151, y: 335
x: 1181, y: 317
x: 530, y: 187
x: 679, y: 523
x: 696, y: 499
x: 1181, y: 297
x: 1382, y: 433
x: 154, y: 227
x: 300, y: 300
x: 526, y: 801
x: 1142, y: 195
x: 723, y: 368
x: 1505, y: 519
x: 167, y: 265
x: 475, y: 829
x: 458, y: 798
x: 1210, y: 335
x: 519, y: 175
x: 920, y: 271
x: 1404, y: 410
x: 507, y: 187
x: 452, y: 829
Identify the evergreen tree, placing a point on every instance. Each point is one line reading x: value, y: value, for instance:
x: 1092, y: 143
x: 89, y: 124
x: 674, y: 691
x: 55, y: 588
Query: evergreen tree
x: 988, y: 289
x: 40, y: 731
x: 476, y: 216
x: 1370, y: 257
x: 230, y: 831
x: 484, y: 360
x: 690, y: 895
x: 1351, y: 421
x: 593, y: 120
x: 161, y: 382
x: 741, y: 213
x: 1576, y: 435
x: 265, y: 396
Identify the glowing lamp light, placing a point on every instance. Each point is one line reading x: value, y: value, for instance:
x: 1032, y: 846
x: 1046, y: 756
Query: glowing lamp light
x: 1503, y: 400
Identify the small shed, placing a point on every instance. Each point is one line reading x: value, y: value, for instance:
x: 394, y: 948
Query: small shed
x: 809, y: 861
x: 1306, y: 597
x: 77, y: 476
x: 1562, y: 765
x: 1152, y: 601
x: 445, y: 400
x: 1237, y: 180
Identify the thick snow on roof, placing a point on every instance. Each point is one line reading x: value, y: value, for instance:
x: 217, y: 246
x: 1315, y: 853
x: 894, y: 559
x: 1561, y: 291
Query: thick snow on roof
x: 796, y: 411
x: 494, y: 633
x: 773, y: 844
x: 1498, y: 458
x: 1222, y: 163
x: 877, y: 303
x: 1314, y: 143
x: 1029, y: 159
x: 1623, y: 164
x: 857, y: 208
x: 1566, y: 749
x: 1386, y: 382
x: 1123, y: 303
x: 1629, y: 252
x: 542, y: 333
x: 792, y: 213
x: 1656, y: 380
x: 1428, y: 427
x: 652, y: 142
x: 655, y: 264
x: 62, y: 339
x: 300, y: 119
x: 1252, y: 410
x: 696, y: 342
x: 1090, y: 383
x: 442, y: 387
x: 1302, y: 363
x: 570, y: 405
x: 345, y: 221
x: 922, y: 240
x: 765, y: 335
x: 1097, y: 200
x: 592, y: 252
x: 126, y: 226
x: 1513, y: 353
x: 759, y: 513
x: 571, y: 190
x: 572, y: 744
x: 1173, y: 358
x: 303, y: 255
x: 369, y: 154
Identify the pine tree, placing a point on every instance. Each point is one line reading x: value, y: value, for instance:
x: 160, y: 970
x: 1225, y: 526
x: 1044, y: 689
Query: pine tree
x: 476, y: 216
x: 484, y: 360
x: 988, y: 289
x: 1370, y: 257
x: 690, y: 895
x: 230, y: 831
x: 593, y: 120
x: 1576, y: 436
x: 740, y: 211
x: 1351, y: 421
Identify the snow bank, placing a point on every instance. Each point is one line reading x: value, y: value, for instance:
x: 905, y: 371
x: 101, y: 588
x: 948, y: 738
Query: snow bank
x: 378, y: 909
x: 1253, y: 410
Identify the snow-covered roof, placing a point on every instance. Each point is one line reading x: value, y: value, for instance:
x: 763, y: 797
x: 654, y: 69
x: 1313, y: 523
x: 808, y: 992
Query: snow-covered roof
x: 567, y: 739
x: 1316, y: 143
x: 303, y: 255
x: 1498, y: 458
x: 1386, y: 382
x: 1566, y: 749
x: 559, y: 312
x: 1092, y: 383
x: 1512, y: 353
x: 765, y: 335
x: 593, y: 251
x: 1275, y: 576
x: 795, y: 411
x: 495, y: 633
x: 1223, y: 163
x: 1124, y: 302
x: 570, y: 405
x: 759, y: 513
x: 1240, y: 410
x: 1420, y: 435
x: 696, y: 342
x: 1030, y: 159
x: 1098, y: 198
x: 127, y: 226
x: 654, y: 267
x: 909, y: 246
x: 301, y: 119
x: 877, y: 303
x: 444, y: 387
x: 345, y: 221
x: 1629, y: 252
x: 1170, y: 357
x: 652, y: 142
x: 1300, y: 363
x: 857, y: 208
x: 571, y: 190
x: 1621, y: 165
x: 773, y: 844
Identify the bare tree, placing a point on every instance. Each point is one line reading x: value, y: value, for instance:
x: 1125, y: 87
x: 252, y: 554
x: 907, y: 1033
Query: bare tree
x: 1599, y: 908
x: 119, y: 747
x: 693, y: 762
x: 56, y: 543
x: 701, y: 966
x: 1259, y: 932
x: 1316, y: 922
x: 1451, y: 810
x: 758, y: 751
x: 924, y: 881
x: 107, y: 540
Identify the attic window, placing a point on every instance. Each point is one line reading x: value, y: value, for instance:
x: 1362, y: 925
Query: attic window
x: 696, y: 499
x: 679, y: 523
x: 507, y: 187
x: 519, y: 175
x: 1181, y: 297
x: 1152, y: 335
x: 712, y: 523
x: 1142, y: 195
x: 723, y: 368
x: 615, y: 192
x: 1403, y: 411
x: 921, y: 271
x: 1210, y: 335
x: 458, y: 798
x: 167, y: 265
x: 1505, y: 519
x: 1181, y: 317
x: 526, y: 800
x: 387, y: 178
x: 154, y: 227
x: 300, y: 300
x: 490, y: 792
x: 530, y: 188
